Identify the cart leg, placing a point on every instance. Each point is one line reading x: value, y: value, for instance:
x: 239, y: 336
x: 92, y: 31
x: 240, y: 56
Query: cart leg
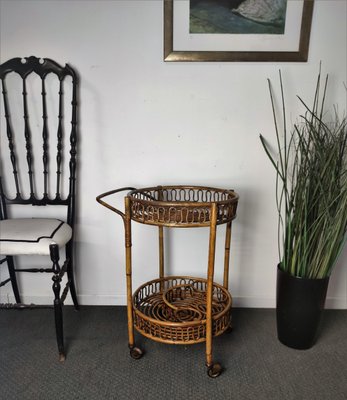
x: 135, y: 352
x: 161, y: 252
x: 213, y: 369
x: 161, y: 257
x: 161, y: 243
x: 226, y: 263
x: 227, y: 255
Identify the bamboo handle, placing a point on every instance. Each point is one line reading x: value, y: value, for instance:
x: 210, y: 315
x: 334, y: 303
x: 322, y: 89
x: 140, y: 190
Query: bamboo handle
x: 98, y: 199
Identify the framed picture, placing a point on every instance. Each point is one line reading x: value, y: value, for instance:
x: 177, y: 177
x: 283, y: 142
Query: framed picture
x: 234, y: 30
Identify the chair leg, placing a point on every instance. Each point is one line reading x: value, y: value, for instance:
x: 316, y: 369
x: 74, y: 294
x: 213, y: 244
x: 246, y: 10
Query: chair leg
x: 58, y: 312
x: 13, y: 277
x: 70, y: 275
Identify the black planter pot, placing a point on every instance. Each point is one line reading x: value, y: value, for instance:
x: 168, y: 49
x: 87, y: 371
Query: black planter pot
x: 300, y: 303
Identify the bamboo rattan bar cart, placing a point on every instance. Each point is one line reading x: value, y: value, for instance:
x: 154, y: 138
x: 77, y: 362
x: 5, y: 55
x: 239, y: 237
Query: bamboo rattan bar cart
x: 178, y: 309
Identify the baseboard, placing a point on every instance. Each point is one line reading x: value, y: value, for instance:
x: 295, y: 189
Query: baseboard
x: 120, y: 300
x: 84, y: 300
x: 337, y: 303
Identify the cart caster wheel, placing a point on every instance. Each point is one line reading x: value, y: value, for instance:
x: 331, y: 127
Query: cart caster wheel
x: 214, y: 370
x: 136, y: 353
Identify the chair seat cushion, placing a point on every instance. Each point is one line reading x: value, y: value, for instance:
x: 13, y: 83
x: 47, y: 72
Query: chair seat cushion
x: 32, y: 235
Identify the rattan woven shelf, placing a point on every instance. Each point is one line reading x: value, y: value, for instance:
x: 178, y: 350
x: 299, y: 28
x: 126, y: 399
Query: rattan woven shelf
x: 173, y: 310
x: 178, y: 309
x: 185, y: 206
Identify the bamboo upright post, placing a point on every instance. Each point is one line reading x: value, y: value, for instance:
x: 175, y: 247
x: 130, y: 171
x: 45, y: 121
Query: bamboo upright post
x: 209, y: 289
x: 227, y: 255
x: 127, y: 224
x: 161, y: 252
x: 161, y: 243
x: 135, y: 352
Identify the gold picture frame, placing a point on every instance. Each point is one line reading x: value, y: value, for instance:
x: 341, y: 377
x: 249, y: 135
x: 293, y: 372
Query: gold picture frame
x: 171, y: 54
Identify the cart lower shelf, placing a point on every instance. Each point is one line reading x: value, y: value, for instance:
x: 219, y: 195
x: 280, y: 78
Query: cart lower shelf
x: 173, y: 310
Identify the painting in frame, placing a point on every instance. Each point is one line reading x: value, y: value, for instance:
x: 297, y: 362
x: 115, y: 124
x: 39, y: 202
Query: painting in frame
x: 237, y: 30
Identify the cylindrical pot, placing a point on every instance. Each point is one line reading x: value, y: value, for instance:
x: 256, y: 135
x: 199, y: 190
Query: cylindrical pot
x: 300, y: 303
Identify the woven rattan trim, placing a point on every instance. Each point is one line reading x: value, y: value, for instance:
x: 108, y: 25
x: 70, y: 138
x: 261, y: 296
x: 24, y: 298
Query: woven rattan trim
x: 173, y: 309
x: 182, y: 205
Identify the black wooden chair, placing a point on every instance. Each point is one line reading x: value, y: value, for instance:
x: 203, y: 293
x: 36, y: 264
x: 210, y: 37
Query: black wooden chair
x: 36, y: 172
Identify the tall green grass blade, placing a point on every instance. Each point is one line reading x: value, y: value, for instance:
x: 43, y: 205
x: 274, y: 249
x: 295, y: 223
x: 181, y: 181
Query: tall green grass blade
x: 311, y: 186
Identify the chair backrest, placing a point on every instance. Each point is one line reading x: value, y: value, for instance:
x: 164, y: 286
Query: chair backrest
x: 39, y: 125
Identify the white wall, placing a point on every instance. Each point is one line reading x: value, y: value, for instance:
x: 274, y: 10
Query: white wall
x: 145, y: 122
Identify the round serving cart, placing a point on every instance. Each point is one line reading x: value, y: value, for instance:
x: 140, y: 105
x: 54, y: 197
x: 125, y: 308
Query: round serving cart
x: 178, y: 309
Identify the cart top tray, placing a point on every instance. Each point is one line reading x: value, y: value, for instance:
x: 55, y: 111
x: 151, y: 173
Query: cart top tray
x: 182, y: 206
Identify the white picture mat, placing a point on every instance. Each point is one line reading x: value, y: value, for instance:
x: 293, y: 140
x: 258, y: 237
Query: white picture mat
x: 184, y: 41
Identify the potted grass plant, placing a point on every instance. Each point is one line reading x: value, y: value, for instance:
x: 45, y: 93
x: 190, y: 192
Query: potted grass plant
x: 310, y: 162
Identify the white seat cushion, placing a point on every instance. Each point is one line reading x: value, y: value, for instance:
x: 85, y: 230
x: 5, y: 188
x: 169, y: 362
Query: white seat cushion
x: 32, y: 235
